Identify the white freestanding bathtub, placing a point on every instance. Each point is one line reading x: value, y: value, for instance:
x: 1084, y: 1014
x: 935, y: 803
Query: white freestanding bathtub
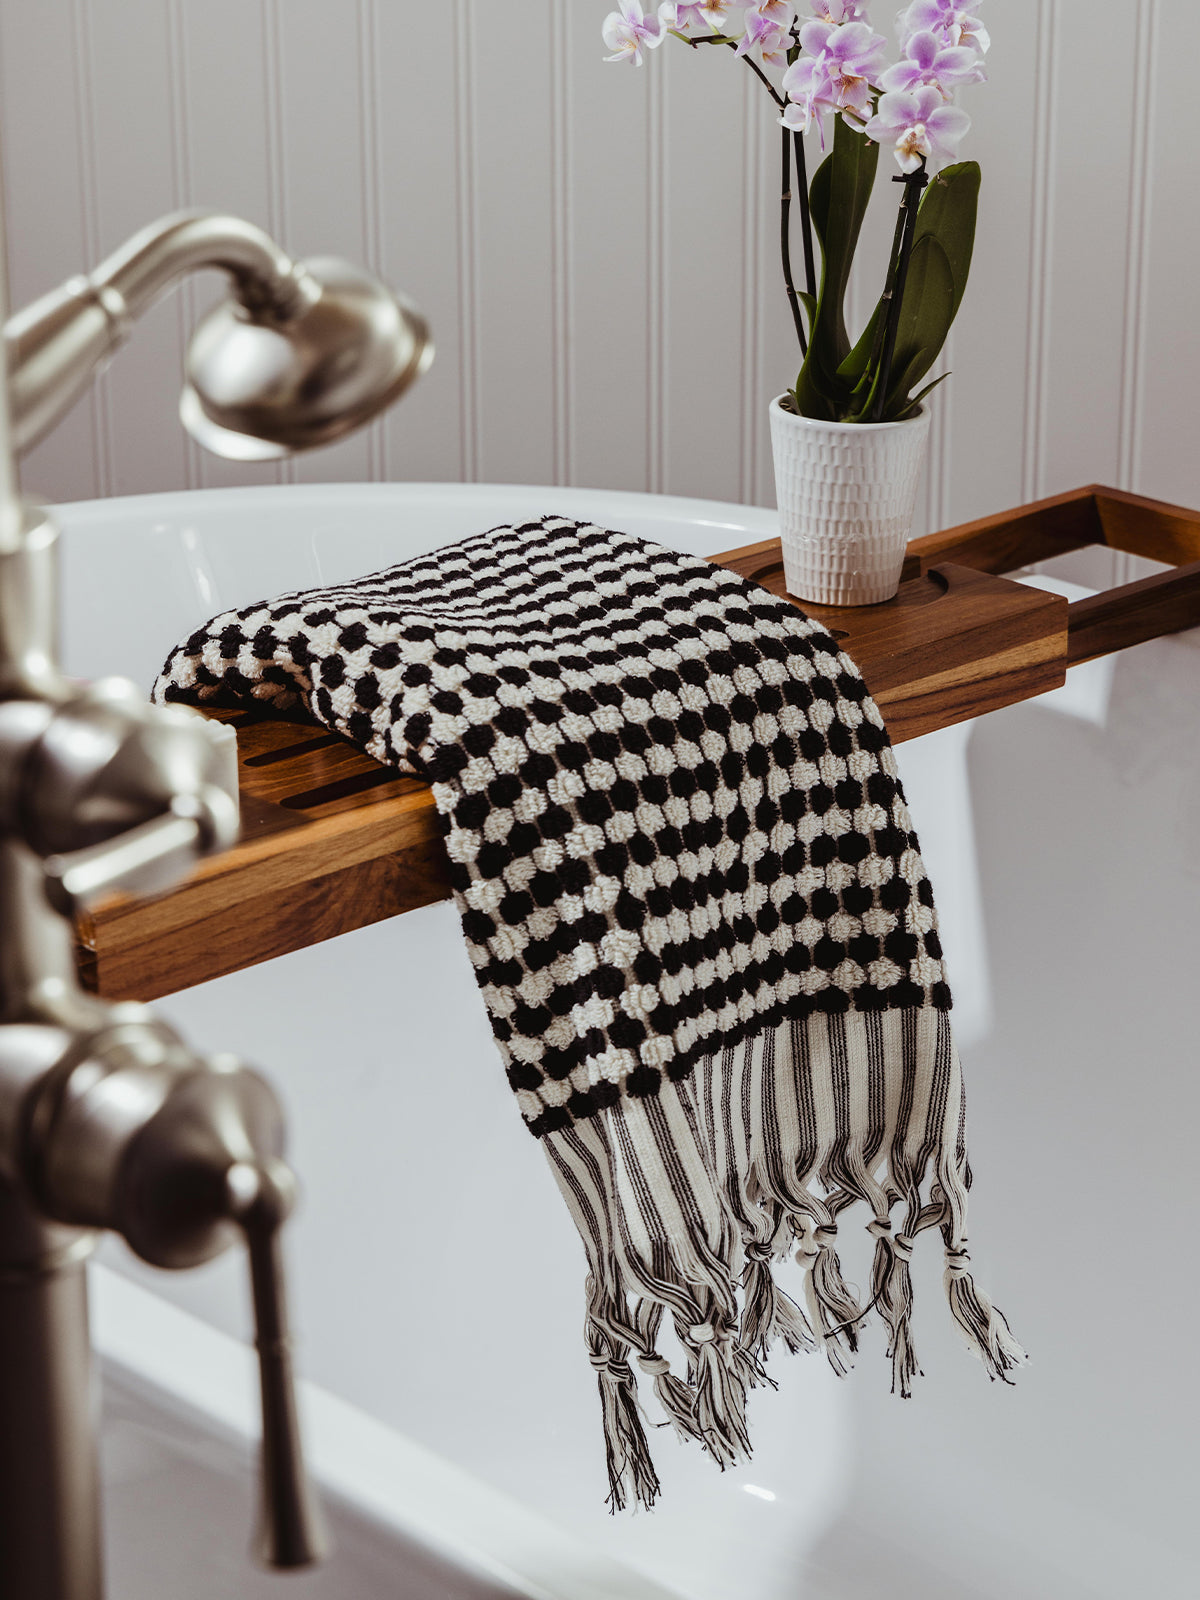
x: 438, y: 1280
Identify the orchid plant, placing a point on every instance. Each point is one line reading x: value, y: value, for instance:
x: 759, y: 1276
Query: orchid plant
x: 832, y: 67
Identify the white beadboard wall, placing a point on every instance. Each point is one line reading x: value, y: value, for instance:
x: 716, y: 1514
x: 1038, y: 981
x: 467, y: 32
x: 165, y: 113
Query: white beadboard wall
x: 597, y: 247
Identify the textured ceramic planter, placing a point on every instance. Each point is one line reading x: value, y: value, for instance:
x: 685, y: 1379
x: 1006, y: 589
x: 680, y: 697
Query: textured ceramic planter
x: 847, y: 493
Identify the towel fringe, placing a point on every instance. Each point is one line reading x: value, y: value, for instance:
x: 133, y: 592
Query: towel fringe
x: 834, y: 1309
x: 891, y: 1285
x: 769, y: 1314
x: 688, y: 1214
x: 672, y: 1394
x: 985, y: 1328
x: 630, y: 1470
x: 715, y: 1367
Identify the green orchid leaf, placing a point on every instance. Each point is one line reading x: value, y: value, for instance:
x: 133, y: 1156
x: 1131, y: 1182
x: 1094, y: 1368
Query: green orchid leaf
x: 943, y: 245
x: 853, y: 369
x: 949, y: 211
x: 939, y: 267
x: 898, y: 405
x: 925, y: 317
x: 910, y: 408
x: 838, y: 197
x: 928, y: 389
x: 867, y: 391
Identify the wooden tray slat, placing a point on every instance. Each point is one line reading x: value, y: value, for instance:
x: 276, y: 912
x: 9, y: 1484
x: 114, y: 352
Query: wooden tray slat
x: 332, y: 841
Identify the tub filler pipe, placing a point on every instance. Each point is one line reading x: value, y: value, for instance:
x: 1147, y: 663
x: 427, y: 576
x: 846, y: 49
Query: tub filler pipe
x: 108, y: 1119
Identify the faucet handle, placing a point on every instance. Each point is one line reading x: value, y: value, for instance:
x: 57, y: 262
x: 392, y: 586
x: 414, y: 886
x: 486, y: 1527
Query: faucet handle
x: 291, y: 1533
x: 147, y: 859
x: 129, y: 1130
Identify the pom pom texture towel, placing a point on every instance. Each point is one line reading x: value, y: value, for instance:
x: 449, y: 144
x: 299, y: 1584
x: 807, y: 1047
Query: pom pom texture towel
x: 697, y: 912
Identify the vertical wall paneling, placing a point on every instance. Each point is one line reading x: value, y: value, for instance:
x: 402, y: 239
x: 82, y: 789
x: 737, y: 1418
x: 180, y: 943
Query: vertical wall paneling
x: 778, y: 348
x: 1132, y: 375
x: 372, y: 194
x: 940, y: 511
x: 697, y: 293
x: 1132, y: 388
x: 130, y: 172
x: 562, y: 276
x: 609, y: 173
x: 938, y: 477
x: 468, y: 194
x: 182, y: 197
x: 325, y: 208
x: 770, y: 354
x: 424, y: 231
x: 596, y: 246
x: 752, y: 226
x: 1166, y: 461
x: 985, y: 401
x: 276, y: 150
x: 46, y: 226
x: 223, y: 113
x: 99, y: 402
x: 656, y: 298
x: 512, y: 98
x: 1079, y: 379
x: 1041, y: 214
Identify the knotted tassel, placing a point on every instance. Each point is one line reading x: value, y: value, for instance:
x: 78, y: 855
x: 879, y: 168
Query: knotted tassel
x: 630, y: 1468
x: 834, y: 1309
x: 676, y: 1399
x: 988, y: 1334
x: 891, y: 1285
x: 768, y: 1313
x: 720, y: 1394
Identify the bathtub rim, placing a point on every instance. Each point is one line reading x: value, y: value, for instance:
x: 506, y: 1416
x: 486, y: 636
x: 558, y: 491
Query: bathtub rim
x: 397, y: 1485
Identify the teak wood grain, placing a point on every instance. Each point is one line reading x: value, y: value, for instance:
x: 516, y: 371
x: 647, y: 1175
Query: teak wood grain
x: 952, y: 644
x: 333, y: 841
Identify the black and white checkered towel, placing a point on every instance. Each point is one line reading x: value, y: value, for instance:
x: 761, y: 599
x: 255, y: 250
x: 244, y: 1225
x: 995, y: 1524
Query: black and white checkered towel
x: 696, y: 909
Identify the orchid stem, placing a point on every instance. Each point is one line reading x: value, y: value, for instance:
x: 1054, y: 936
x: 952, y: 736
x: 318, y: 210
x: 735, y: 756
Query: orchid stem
x: 785, y: 241
x: 790, y: 142
x: 810, y: 268
x: 906, y: 227
x: 719, y: 38
x: 770, y: 87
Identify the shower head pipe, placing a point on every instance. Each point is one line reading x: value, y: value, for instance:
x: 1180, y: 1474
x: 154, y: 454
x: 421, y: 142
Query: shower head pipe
x: 297, y: 356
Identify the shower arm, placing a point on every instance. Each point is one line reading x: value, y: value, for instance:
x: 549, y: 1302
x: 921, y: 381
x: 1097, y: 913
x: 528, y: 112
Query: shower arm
x: 56, y: 345
x: 108, y: 1120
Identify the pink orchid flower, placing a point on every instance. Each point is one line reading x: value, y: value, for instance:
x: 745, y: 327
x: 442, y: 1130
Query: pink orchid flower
x: 628, y: 33
x: 764, y: 14
x: 839, y: 11
x: 772, y: 42
x: 918, y: 124
x: 834, y: 75
x: 684, y: 17
x: 768, y: 28
x: 800, y: 111
x: 954, y: 23
x: 850, y: 47
x: 931, y: 64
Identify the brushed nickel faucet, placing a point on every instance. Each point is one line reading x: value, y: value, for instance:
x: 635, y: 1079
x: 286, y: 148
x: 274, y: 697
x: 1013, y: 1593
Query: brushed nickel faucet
x: 108, y: 1119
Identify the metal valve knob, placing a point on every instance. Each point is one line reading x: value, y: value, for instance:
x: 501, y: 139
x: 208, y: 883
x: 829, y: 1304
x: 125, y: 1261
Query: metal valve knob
x: 129, y: 1131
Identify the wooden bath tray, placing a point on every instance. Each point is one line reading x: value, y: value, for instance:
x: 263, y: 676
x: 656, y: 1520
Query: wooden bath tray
x: 332, y: 841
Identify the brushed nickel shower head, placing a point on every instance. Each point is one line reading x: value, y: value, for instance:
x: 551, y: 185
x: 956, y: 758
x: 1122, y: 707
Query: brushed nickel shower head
x: 261, y: 383
x: 298, y: 355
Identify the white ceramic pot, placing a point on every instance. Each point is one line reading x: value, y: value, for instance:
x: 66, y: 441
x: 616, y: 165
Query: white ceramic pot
x: 847, y: 492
